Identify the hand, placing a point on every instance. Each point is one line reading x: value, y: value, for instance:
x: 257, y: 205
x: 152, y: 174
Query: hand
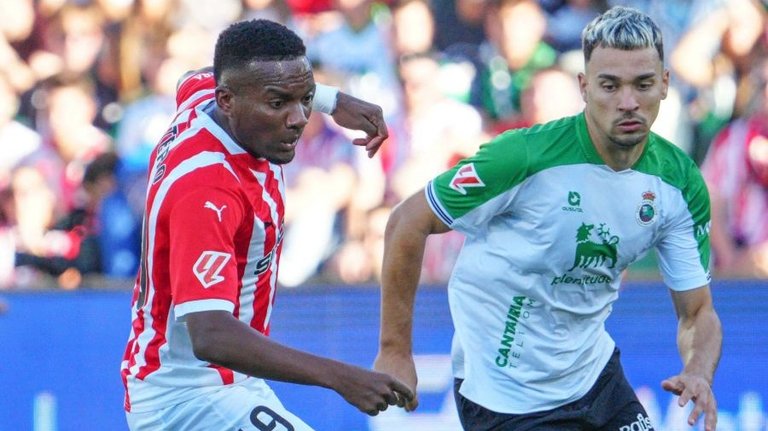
x: 370, y: 391
x: 353, y: 113
x: 402, y: 367
x: 697, y: 389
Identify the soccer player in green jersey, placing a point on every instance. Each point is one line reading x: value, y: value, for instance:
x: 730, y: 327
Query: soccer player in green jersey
x: 552, y: 215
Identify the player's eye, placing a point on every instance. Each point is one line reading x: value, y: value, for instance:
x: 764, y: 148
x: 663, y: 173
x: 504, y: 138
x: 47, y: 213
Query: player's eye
x: 645, y: 86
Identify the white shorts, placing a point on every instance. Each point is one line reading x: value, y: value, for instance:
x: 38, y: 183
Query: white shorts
x: 247, y: 406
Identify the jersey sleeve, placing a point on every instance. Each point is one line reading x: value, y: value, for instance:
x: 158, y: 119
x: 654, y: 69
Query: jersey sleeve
x: 684, y: 249
x: 468, y: 195
x: 194, y: 83
x: 203, y: 260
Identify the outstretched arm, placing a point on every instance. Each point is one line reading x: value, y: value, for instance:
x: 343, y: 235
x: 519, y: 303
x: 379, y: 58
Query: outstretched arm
x: 219, y: 338
x: 699, y: 340
x: 410, y: 224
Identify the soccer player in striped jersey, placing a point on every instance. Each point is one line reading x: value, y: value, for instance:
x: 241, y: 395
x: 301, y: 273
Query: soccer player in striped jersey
x: 552, y: 216
x: 198, y: 349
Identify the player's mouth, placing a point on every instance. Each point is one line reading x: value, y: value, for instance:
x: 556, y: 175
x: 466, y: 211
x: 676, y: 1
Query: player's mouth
x: 630, y: 126
x: 290, y: 144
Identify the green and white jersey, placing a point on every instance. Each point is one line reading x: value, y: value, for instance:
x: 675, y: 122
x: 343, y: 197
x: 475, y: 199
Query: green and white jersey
x: 549, y: 229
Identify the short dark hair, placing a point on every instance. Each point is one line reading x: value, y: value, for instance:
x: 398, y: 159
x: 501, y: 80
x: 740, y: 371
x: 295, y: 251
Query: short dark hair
x: 255, y: 40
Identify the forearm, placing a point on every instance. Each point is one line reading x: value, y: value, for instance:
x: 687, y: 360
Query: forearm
x: 699, y: 341
x: 401, y: 270
x: 233, y: 344
x: 407, y: 230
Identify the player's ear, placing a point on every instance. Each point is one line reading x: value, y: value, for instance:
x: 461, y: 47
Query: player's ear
x: 224, y: 98
x: 583, y: 86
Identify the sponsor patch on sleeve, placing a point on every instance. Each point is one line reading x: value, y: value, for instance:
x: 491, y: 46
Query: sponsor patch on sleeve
x: 466, y: 177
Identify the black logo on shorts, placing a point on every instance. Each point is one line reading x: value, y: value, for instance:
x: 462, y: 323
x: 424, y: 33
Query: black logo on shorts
x: 265, y: 419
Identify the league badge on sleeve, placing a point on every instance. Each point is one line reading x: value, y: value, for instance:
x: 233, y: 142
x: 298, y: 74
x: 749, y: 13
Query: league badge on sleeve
x: 208, y: 267
x: 465, y: 177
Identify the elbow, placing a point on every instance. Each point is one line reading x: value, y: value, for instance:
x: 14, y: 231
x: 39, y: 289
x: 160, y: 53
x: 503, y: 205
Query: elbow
x: 205, y: 334
x: 203, y: 348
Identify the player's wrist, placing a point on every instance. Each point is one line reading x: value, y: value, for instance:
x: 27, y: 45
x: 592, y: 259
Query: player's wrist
x: 325, y: 99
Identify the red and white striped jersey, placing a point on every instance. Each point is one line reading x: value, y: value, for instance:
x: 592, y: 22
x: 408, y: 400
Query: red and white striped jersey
x: 727, y: 173
x: 211, y: 241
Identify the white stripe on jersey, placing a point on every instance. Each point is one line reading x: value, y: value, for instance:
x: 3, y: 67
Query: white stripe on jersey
x: 262, y: 179
x: 194, y: 98
x: 204, y: 121
x: 204, y: 159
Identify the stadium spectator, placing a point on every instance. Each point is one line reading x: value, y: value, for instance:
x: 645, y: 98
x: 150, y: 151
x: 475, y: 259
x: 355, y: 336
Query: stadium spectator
x: 45, y: 185
x: 70, y: 140
x: 438, y: 130
x: 18, y: 39
x: 212, y: 241
x: 565, y: 22
x: 515, y: 49
x: 113, y: 230
x: 273, y: 10
x: 541, y: 265
x: 359, y: 258
x: 713, y: 44
x: 736, y: 170
x: 17, y: 140
x: 546, y: 85
x: 408, y: 15
x: 459, y: 28
x: 358, y: 48
x: 76, y: 41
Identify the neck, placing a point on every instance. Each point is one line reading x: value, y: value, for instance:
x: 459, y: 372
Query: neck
x: 220, y: 119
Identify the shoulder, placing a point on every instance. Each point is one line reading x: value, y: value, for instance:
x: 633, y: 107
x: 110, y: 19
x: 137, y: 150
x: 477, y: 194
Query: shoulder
x: 543, y: 146
x: 669, y: 162
x: 193, y: 82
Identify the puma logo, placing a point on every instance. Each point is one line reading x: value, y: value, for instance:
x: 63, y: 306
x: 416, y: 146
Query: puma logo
x: 211, y: 206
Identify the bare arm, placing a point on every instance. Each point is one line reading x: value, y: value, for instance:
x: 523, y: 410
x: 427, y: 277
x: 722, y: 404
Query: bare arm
x: 217, y: 337
x: 356, y: 114
x: 409, y: 226
x: 699, y: 340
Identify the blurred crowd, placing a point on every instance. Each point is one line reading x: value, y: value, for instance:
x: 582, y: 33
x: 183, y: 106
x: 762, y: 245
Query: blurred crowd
x: 87, y: 86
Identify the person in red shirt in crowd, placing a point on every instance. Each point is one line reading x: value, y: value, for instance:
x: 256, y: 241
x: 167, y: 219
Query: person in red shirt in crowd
x: 736, y: 171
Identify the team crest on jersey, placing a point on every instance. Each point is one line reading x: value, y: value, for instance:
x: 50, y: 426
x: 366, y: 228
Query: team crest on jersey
x: 465, y: 177
x: 208, y: 267
x: 646, y: 211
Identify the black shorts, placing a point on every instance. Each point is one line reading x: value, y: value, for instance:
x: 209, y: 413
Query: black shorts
x: 610, y: 405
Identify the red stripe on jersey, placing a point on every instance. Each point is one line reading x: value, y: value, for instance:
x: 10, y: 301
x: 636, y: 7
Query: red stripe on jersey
x: 227, y: 376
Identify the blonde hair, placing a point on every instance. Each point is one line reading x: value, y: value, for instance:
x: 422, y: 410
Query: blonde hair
x: 621, y: 28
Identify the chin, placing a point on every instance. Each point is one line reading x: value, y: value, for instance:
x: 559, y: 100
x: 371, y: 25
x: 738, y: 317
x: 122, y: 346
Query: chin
x: 282, y: 159
x: 629, y: 141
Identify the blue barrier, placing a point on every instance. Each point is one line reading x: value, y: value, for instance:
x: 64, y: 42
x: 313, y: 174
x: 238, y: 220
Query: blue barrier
x: 60, y: 355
